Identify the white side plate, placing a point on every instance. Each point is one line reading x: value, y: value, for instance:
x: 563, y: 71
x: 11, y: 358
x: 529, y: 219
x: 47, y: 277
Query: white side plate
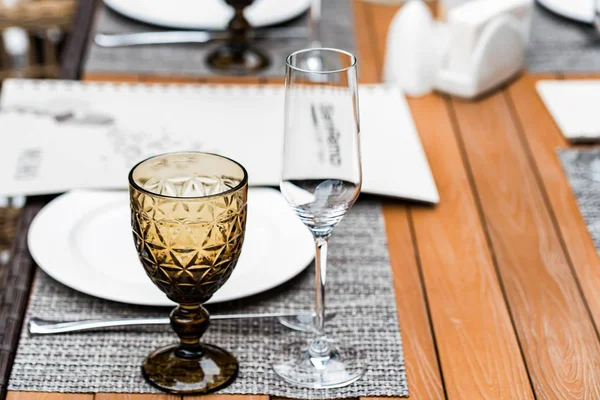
x: 206, y: 14
x: 579, y: 10
x: 83, y: 239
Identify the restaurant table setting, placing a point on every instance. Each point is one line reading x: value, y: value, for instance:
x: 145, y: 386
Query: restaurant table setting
x: 360, y: 293
x: 81, y: 226
x: 191, y: 232
x: 289, y: 28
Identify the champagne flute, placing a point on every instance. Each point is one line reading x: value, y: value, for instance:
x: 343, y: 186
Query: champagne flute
x: 321, y: 180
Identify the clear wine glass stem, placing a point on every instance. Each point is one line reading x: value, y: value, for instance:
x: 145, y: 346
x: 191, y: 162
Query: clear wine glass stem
x: 315, y: 63
x: 321, y: 179
x: 315, y: 23
x: 597, y: 15
x: 319, y: 346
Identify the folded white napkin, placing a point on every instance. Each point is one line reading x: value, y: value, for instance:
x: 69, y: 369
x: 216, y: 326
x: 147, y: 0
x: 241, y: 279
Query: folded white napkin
x: 574, y: 107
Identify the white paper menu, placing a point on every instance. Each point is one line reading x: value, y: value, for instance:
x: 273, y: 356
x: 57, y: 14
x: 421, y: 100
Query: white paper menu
x: 61, y: 135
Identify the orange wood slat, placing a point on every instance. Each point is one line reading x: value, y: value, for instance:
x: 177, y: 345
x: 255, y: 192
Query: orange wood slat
x: 544, y: 138
x: 125, y: 396
x: 379, y: 19
x: 476, y: 342
x: 169, y: 79
x: 47, y: 396
x: 104, y: 77
x: 419, y: 349
x: 367, y: 61
x: 557, y: 336
x: 97, y: 77
x: 235, y: 80
x: 478, y: 349
x: 423, y: 371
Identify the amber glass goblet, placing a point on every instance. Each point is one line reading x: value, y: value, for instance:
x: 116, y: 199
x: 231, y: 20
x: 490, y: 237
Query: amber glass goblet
x: 188, y: 214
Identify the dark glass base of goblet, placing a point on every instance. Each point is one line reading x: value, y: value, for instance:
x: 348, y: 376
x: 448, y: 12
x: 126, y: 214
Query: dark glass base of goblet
x: 228, y: 60
x: 214, y: 369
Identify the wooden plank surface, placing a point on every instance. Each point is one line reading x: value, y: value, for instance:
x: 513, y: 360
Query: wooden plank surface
x: 423, y: 373
x: 543, y: 138
x: 121, y: 396
x: 557, y: 336
x: 47, y: 396
x: 423, y: 370
x: 368, y: 66
x: 478, y: 350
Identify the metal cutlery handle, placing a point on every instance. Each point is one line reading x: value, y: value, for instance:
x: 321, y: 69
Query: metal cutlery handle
x: 169, y: 37
x: 173, y: 37
x: 38, y: 326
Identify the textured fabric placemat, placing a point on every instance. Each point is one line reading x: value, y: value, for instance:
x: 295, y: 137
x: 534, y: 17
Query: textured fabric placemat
x: 583, y: 171
x: 558, y: 44
x: 360, y: 291
x: 337, y: 30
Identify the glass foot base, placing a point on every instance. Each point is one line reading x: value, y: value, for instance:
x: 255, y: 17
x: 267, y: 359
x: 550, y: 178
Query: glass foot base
x: 215, y: 369
x: 339, y: 367
x: 225, y: 59
x: 303, y: 322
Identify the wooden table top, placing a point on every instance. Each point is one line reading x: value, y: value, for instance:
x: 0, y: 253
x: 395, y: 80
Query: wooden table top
x: 498, y: 286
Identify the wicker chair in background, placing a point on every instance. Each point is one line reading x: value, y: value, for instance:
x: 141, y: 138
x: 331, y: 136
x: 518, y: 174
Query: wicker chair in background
x: 41, y: 19
x: 46, y: 23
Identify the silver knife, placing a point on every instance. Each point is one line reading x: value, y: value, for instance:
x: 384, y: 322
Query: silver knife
x: 173, y: 37
x: 38, y: 326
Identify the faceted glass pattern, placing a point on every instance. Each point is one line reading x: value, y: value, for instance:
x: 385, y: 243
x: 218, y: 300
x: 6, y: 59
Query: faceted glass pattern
x: 188, y: 215
x: 189, y: 247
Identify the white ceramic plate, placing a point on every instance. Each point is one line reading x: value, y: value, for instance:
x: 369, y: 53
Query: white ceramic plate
x: 83, y: 239
x: 579, y: 10
x: 206, y: 14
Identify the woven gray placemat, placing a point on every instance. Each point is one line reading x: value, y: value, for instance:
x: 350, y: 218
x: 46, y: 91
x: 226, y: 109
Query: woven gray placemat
x: 337, y: 30
x: 583, y: 171
x: 561, y: 45
x: 360, y: 292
